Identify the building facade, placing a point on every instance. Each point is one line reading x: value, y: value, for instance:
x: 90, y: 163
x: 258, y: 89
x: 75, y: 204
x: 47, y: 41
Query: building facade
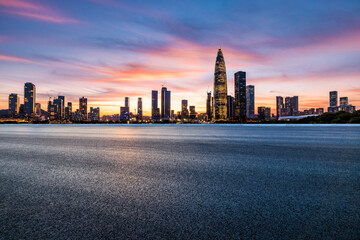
x: 29, y: 99
x: 83, y: 108
x: 165, y: 103
x: 14, y: 105
x: 250, y: 101
x: 240, y: 96
x: 220, y: 88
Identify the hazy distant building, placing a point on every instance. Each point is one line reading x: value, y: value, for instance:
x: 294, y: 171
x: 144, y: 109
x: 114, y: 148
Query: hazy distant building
x: 333, y: 98
x: 94, y: 114
x: 264, y: 113
x: 139, y: 109
x: 155, y: 113
x: 279, y: 106
x: 344, y: 101
x: 184, y: 109
x: 14, y: 105
x: 220, y: 88
x: 240, y: 96
x: 68, y: 111
x: 230, y: 107
x: 37, y: 109
x: 165, y: 103
x: 60, y: 104
x: 83, y: 108
x: 208, y: 106
x: 192, y: 112
x: 250, y: 101
x: 29, y: 99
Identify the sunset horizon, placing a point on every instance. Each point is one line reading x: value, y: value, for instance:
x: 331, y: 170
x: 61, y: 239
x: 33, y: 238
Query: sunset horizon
x: 117, y: 50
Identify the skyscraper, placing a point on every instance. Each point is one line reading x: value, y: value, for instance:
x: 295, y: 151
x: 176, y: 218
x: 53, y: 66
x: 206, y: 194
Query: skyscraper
x: 208, y: 106
x: 165, y: 103
x: 279, y: 106
x: 83, y: 108
x: 68, y: 111
x: 333, y: 98
x: 60, y: 103
x: 62, y: 107
x: 127, y: 102
x: 139, y: 109
x: 155, y: 113
x: 94, y: 114
x: 220, y: 88
x: 250, y: 101
x: 294, y: 102
x: 29, y: 99
x: 14, y: 105
x: 184, y: 109
x: 230, y: 107
x: 344, y: 101
x: 240, y: 96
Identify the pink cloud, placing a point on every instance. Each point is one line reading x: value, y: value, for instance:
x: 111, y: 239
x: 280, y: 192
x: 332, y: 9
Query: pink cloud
x: 34, y: 11
x: 15, y: 59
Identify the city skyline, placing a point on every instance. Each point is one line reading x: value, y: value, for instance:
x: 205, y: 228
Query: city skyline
x: 114, y: 50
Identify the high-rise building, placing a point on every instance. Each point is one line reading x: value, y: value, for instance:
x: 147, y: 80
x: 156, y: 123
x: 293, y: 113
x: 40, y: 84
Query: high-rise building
x: 68, y: 111
x: 184, y: 109
x: 60, y: 103
x: 37, y: 109
x: 192, y: 112
x: 52, y: 110
x: 230, y: 107
x: 264, y: 113
x: 208, y: 106
x: 240, y: 96
x: 333, y: 98
x: 94, y: 114
x: 250, y: 101
x: 139, y: 109
x: 220, y: 88
x: 14, y: 105
x: 62, y: 107
x: 279, y: 106
x: 83, y: 108
x: 29, y: 99
x: 344, y: 101
x: 294, y: 103
x: 127, y: 104
x: 165, y: 103
x: 155, y: 113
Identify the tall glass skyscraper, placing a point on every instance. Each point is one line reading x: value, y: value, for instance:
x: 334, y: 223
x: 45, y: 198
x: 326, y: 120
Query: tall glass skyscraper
x: 208, y: 106
x: 14, y: 105
x: 333, y: 98
x: 240, y: 96
x: 165, y: 103
x: 139, y: 109
x: 83, y: 108
x: 29, y: 99
x: 250, y: 101
x: 279, y: 105
x: 220, y: 88
x: 155, y: 114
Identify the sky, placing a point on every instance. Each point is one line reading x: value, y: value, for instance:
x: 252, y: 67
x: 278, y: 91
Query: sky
x: 107, y: 50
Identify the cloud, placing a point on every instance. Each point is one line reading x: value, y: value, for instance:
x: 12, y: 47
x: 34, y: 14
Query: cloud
x: 30, y: 10
x: 17, y: 59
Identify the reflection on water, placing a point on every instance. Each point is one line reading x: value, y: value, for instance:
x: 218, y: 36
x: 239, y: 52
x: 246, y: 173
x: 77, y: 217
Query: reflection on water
x: 180, y: 181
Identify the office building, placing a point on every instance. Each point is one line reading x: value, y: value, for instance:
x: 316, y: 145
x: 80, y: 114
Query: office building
x: 184, y: 109
x: 279, y: 106
x: 68, y: 111
x: 37, y: 109
x: 192, y: 112
x: 139, y: 109
x: 333, y: 95
x: 155, y: 112
x: 94, y: 114
x: 29, y: 99
x: 165, y: 103
x: 240, y: 96
x: 83, y: 108
x: 230, y: 107
x: 208, y: 106
x: 220, y: 88
x: 14, y: 105
x: 344, y: 101
x: 60, y: 103
x: 250, y: 101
